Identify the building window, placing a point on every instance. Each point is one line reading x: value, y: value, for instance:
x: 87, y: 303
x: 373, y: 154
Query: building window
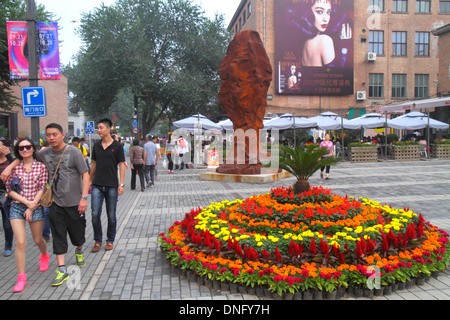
x: 399, y: 43
x: 444, y: 6
x: 399, y: 86
x: 379, y: 4
x: 421, y: 86
x: 249, y: 9
x: 244, y: 17
x: 400, y: 6
x: 71, y: 129
x: 422, y: 47
x: 423, y: 6
x: 376, y: 81
x: 376, y: 42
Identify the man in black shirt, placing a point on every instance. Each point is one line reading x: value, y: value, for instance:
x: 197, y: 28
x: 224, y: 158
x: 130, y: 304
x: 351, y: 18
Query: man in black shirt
x: 106, y: 156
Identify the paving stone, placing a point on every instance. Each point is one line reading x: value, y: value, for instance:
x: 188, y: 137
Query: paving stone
x: 136, y: 269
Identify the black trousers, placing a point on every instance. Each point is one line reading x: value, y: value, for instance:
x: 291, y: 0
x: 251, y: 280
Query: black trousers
x: 323, y: 168
x: 66, y: 221
x: 139, y: 169
x: 169, y: 158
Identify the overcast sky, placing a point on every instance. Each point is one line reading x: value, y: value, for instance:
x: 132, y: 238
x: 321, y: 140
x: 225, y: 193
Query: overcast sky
x: 69, y: 12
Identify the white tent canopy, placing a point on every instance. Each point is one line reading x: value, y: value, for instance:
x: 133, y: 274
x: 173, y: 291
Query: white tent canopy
x: 419, y: 104
x: 226, y: 124
x: 288, y: 121
x: 416, y: 120
x: 331, y: 121
x: 199, y: 120
x: 372, y: 121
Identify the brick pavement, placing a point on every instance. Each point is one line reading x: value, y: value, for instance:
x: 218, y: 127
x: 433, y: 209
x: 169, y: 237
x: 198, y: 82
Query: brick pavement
x: 136, y: 269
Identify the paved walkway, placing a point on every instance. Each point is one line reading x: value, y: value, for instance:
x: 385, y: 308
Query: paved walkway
x: 136, y: 269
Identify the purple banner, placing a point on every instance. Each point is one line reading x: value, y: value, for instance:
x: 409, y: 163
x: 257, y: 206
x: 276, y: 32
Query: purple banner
x: 314, y: 47
x: 49, y: 50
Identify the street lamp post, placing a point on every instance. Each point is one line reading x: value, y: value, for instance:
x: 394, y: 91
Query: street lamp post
x: 33, y: 61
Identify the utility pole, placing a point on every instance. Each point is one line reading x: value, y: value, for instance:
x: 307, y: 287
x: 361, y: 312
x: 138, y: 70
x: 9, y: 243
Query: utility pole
x: 33, y: 61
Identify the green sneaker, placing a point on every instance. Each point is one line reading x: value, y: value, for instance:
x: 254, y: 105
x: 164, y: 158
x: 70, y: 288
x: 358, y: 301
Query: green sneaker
x: 80, y: 259
x: 60, y: 278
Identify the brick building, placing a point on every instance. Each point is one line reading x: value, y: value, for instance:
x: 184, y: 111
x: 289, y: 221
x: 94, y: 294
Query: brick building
x: 444, y: 58
x: 14, y: 124
x: 395, y: 54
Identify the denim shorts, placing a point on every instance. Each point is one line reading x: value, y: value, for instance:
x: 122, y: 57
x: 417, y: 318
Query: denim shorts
x: 17, y: 211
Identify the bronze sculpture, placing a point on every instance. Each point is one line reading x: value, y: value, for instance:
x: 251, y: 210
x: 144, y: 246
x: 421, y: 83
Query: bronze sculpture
x: 246, y: 74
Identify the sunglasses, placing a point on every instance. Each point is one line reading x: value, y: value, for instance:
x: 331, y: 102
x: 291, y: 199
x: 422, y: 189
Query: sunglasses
x: 29, y: 147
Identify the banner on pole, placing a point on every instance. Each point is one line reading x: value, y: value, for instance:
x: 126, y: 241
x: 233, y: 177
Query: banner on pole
x: 48, y: 50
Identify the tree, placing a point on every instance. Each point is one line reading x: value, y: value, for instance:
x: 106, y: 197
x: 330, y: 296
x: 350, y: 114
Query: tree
x: 303, y: 163
x: 165, y: 52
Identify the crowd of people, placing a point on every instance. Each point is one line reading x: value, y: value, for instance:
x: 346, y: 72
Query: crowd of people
x: 25, y: 178
x: 72, y: 171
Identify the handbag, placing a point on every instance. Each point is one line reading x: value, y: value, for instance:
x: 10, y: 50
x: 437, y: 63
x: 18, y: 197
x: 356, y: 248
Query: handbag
x: 47, y: 197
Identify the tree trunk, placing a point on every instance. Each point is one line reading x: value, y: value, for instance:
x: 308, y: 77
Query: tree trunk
x: 301, y: 186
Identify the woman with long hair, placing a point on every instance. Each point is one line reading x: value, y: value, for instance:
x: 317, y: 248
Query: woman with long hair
x: 32, y: 177
x: 323, y: 25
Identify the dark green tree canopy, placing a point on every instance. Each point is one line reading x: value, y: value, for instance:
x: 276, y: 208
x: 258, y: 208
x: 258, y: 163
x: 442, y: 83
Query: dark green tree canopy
x: 167, y: 53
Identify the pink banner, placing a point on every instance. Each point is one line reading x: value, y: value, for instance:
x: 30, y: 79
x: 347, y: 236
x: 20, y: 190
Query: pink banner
x: 18, y: 49
x: 48, y: 50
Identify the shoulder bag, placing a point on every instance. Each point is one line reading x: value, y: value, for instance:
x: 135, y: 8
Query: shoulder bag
x: 47, y: 197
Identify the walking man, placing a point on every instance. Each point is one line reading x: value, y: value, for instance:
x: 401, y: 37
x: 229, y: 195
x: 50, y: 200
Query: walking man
x: 70, y: 193
x: 107, y: 154
x: 150, y: 161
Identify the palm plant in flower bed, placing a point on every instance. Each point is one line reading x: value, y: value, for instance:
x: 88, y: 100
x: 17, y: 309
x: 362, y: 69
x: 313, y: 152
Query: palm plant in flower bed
x: 303, y: 163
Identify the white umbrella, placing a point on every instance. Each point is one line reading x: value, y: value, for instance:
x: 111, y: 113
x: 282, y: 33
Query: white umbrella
x: 199, y: 120
x: 226, y: 124
x: 416, y: 120
x: 288, y: 121
x: 371, y: 121
x: 331, y: 121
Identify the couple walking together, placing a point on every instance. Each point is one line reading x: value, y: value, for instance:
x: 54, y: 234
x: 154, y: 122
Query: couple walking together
x: 70, y: 190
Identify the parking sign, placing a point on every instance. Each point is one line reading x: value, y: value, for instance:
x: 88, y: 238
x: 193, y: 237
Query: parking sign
x: 33, y: 102
x: 89, y: 127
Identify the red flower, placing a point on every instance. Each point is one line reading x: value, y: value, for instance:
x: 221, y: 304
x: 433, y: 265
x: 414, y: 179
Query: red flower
x: 278, y: 256
x: 312, y: 247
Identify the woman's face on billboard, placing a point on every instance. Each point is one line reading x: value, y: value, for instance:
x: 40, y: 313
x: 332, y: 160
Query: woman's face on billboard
x: 322, y: 11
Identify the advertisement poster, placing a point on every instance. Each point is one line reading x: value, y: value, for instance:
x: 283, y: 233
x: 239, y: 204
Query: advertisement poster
x: 18, y: 49
x: 314, y: 47
x: 213, y: 158
x: 48, y: 50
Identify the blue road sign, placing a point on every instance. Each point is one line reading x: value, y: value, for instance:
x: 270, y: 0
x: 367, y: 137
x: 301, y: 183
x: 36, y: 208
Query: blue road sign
x: 135, y: 123
x: 33, y: 102
x: 89, y: 127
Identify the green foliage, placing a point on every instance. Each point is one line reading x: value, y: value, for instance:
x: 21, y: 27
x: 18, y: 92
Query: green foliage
x: 304, y: 162
x: 165, y: 52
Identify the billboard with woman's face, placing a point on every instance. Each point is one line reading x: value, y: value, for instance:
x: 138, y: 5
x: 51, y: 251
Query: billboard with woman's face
x: 314, y: 47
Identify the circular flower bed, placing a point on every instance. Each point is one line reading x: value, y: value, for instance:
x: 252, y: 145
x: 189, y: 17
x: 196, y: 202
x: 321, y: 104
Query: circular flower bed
x: 316, y: 240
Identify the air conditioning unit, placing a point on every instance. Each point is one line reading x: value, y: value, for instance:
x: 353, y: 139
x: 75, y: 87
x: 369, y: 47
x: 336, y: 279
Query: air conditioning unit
x: 361, y: 95
x: 371, y: 56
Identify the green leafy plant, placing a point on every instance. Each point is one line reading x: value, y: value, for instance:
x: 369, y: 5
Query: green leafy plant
x: 303, y: 163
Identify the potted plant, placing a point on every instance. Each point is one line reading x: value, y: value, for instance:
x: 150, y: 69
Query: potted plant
x: 303, y: 163
x: 363, y: 152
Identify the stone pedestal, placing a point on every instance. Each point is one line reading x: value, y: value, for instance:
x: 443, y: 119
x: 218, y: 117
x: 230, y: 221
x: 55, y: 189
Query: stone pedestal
x: 245, y: 178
